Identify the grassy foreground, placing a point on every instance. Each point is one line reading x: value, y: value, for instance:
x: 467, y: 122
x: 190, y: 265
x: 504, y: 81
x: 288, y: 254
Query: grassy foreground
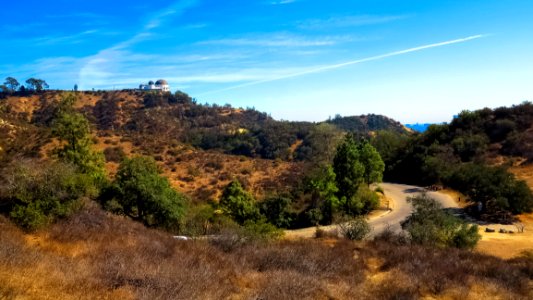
x: 97, y: 256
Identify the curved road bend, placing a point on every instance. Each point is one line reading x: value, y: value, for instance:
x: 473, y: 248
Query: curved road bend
x: 398, y: 194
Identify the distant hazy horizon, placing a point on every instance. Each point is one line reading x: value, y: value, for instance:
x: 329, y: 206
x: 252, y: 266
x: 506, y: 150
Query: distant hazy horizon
x: 416, y: 62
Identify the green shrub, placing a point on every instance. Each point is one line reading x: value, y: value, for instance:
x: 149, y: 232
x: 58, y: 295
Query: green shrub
x: 204, y: 220
x: 364, y: 201
x: 431, y: 226
x: 232, y: 236
x: 356, y: 229
x: 261, y: 230
x: 37, y: 194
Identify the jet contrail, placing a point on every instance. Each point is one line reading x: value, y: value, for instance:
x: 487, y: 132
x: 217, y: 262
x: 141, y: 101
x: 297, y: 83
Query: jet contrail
x: 349, y: 63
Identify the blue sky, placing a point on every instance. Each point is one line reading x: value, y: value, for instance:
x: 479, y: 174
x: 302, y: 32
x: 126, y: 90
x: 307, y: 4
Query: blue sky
x: 415, y: 61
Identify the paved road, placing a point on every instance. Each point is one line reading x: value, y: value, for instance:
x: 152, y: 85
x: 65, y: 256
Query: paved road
x: 401, y: 209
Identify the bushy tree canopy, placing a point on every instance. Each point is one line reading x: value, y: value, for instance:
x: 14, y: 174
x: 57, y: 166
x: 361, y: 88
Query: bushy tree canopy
x: 11, y: 84
x: 36, y: 84
x: 357, y: 165
x: 276, y: 211
x: 238, y: 204
x: 348, y: 168
x: 372, y: 163
x: 142, y: 194
x: 494, y: 187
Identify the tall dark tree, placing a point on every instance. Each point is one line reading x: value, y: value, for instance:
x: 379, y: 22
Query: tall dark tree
x: 12, y: 84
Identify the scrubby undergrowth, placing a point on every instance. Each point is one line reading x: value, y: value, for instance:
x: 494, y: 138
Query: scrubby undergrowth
x: 94, y: 255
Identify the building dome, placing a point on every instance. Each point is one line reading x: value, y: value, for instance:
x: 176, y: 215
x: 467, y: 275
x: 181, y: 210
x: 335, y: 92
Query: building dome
x: 150, y: 82
x: 161, y: 82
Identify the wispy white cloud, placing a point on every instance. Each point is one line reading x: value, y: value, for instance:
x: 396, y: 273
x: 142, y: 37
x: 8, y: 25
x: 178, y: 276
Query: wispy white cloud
x: 349, y: 21
x: 281, y: 40
x: 99, y: 68
x: 70, y: 39
x: 159, y: 18
x: 321, y: 69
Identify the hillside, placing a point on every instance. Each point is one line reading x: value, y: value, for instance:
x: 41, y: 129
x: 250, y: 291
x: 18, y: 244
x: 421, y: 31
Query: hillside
x: 81, y: 251
x: 200, y: 148
x: 368, y: 123
x: 499, y: 137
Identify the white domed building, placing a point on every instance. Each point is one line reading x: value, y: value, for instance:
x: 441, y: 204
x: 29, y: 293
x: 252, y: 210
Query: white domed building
x: 160, y: 85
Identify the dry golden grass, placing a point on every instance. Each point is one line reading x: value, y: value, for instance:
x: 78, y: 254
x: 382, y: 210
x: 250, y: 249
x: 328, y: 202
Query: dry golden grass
x: 23, y: 105
x: 204, y: 174
x: 97, y: 256
x: 507, y: 245
x: 524, y: 172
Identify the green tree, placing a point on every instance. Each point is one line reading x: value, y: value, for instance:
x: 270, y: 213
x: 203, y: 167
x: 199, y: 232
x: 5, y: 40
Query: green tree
x: 372, y: 163
x: 356, y: 166
x: 276, y: 211
x: 470, y: 146
x: 141, y: 193
x: 322, y: 187
x: 36, y: 84
x: 349, y: 171
x: 388, y: 143
x: 12, y: 84
x: 494, y: 187
x: 73, y: 129
x: 238, y: 204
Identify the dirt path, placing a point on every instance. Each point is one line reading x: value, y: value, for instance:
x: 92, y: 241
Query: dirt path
x: 380, y: 220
